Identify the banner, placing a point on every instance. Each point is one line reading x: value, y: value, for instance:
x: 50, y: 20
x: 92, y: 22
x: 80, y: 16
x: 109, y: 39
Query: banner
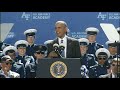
x: 44, y: 22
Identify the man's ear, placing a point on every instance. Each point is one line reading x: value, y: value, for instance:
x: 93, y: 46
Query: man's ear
x: 66, y: 29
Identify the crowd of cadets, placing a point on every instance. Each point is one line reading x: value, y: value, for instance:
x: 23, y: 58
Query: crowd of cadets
x: 20, y: 60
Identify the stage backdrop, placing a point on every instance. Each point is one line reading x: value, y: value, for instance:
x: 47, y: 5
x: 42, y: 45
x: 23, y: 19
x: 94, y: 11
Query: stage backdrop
x: 44, y: 22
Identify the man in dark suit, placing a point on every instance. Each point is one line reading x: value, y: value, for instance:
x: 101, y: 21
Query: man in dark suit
x: 71, y: 45
x: 115, y: 69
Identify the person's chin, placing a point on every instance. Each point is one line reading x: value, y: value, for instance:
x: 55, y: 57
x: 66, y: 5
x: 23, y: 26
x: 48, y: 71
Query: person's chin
x: 59, y: 36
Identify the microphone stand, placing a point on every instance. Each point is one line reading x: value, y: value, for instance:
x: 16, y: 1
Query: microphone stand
x: 58, y: 53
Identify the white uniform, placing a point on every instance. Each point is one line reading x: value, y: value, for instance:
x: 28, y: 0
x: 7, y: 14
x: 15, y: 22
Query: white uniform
x: 11, y: 74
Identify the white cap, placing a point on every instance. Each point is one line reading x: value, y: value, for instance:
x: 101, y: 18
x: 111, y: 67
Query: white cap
x: 24, y: 42
x: 30, y: 31
x: 109, y: 42
x: 102, y: 50
x: 83, y: 40
x: 9, y: 48
x: 92, y: 29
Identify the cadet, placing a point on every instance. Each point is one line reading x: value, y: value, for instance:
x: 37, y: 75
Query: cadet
x: 40, y: 52
x: 112, y: 47
x: 86, y: 59
x: 30, y: 37
x: 22, y: 57
x: 16, y: 66
x: 95, y: 71
x: 115, y: 69
x: 21, y: 48
x: 93, y: 45
x: 5, y: 72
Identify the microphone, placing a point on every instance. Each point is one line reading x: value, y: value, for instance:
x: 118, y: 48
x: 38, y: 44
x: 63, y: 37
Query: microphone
x: 61, y: 47
x: 56, y: 47
x: 61, y: 50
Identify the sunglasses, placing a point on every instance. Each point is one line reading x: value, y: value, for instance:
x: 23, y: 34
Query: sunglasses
x: 11, y: 51
x: 115, y: 65
x: 40, y: 52
x: 102, y: 58
x: 7, y: 63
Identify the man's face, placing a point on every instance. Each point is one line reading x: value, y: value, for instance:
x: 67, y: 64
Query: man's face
x: 114, y: 67
x: 39, y: 55
x: 6, y: 65
x: 83, y: 49
x: 102, y: 59
x: 112, y: 50
x: 22, y: 50
x: 12, y: 55
x: 30, y: 39
x: 91, y: 38
x: 61, y: 30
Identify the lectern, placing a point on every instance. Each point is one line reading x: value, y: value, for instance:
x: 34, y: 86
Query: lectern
x: 58, y: 68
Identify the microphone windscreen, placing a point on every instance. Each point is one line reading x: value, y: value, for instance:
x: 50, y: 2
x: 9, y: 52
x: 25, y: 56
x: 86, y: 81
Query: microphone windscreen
x: 55, y: 45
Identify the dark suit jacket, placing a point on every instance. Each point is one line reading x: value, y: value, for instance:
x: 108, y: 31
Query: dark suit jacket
x: 73, y: 50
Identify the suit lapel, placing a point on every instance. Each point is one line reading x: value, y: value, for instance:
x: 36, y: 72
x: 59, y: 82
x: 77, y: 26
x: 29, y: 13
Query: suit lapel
x: 68, y: 51
x: 56, y: 41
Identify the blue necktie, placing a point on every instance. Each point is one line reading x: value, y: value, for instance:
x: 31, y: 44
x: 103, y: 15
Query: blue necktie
x: 63, y: 52
x: 61, y: 41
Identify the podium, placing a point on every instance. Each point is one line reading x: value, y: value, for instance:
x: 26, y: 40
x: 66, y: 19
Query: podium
x: 58, y: 68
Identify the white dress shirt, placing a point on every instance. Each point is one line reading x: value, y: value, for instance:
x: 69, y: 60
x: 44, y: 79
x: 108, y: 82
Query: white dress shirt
x: 5, y: 74
x: 113, y: 75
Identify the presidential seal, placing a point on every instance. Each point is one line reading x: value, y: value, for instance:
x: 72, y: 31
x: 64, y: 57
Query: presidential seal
x: 58, y: 69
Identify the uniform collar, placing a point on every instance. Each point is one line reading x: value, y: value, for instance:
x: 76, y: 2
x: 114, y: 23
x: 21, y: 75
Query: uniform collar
x: 84, y: 55
x: 113, y: 56
x: 21, y: 56
x: 31, y: 45
x: 101, y: 65
x: 92, y: 43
